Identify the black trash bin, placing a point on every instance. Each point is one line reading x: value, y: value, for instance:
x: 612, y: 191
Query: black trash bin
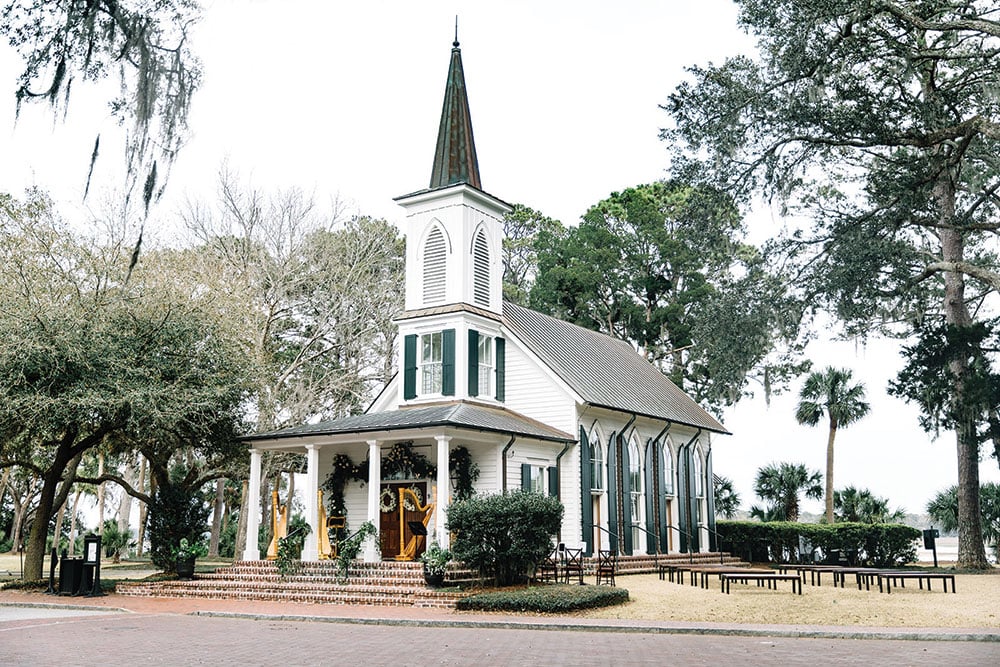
x: 70, y: 575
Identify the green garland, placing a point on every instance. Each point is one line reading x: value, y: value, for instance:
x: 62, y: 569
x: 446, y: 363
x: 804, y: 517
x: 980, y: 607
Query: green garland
x: 464, y: 471
x: 399, y: 460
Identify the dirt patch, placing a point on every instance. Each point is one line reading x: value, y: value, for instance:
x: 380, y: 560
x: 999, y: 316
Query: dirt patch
x: 974, y: 605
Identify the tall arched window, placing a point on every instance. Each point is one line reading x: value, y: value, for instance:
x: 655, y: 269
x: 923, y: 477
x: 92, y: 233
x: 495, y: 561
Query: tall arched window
x: 668, y: 469
x: 435, y: 259
x: 481, y: 270
x: 699, y: 478
x: 635, y: 484
x: 596, y: 462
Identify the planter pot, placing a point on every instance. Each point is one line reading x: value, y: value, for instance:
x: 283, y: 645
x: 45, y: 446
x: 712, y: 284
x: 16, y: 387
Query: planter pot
x: 432, y: 579
x: 185, y: 568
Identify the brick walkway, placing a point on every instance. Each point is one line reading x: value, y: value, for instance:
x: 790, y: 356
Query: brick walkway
x: 165, y: 632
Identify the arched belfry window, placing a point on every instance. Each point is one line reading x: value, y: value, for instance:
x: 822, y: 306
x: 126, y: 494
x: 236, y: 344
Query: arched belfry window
x: 435, y: 260
x: 481, y: 270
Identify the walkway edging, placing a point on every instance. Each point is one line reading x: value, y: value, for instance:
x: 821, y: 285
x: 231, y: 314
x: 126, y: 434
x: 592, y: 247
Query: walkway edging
x: 733, y: 631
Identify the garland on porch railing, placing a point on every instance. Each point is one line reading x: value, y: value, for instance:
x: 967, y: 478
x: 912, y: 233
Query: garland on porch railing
x: 400, y: 461
x: 464, y: 471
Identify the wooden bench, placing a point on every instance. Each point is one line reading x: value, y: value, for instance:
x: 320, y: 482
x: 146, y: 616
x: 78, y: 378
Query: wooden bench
x: 700, y: 574
x: 815, y: 573
x: 769, y: 578
x: 891, y: 578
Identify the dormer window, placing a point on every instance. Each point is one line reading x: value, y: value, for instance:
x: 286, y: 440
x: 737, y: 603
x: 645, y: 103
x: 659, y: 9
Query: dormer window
x: 481, y: 270
x: 429, y: 364
x: 435, y: 261
x: 431, y: 358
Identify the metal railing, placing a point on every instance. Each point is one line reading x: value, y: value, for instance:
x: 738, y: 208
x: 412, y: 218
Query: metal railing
x: 690, y: 541
x: 605, y: 530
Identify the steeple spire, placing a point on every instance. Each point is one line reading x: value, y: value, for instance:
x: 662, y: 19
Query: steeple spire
x: 455, y: 156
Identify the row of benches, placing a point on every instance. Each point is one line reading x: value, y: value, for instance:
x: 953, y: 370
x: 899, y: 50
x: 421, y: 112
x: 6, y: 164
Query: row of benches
x: 886, y: 579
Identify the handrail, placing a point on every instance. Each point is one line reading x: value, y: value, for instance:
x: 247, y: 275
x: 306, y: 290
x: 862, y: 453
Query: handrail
x: 656, y: 537
x: 690, y: 540
x: 603, y: 529
x: 718, y: 541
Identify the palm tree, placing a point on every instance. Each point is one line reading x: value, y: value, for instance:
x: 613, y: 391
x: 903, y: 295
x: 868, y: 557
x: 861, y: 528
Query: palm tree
x: 829, y: 392
x: 780, y: 485
x: 943, y: 508
x: 862, y: 506
x: 727, y: 501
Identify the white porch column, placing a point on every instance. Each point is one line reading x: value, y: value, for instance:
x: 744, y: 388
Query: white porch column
x: 310, y: 549
x: 252, y: 550
x: 441, y: 509
x: 372, y: 552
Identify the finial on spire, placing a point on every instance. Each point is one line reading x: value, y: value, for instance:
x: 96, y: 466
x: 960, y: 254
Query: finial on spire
x: 455, y: 43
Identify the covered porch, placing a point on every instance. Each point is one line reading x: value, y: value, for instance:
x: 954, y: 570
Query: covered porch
x: 427, y: 440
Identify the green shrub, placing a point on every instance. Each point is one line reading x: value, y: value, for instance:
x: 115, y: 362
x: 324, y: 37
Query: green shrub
x: 174, y: 515
x: 545, y: 599
x: 866, y: 544
x: 504, y: 536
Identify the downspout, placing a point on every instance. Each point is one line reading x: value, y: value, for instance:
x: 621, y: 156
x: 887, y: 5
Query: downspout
x: 661, y: 520
x: 503, y: 455
x: 689, y: 490
x: 559, y: 482
x: 620, y: 519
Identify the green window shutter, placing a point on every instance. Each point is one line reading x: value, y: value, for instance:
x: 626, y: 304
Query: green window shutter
x: 473, y: 362
x: 626, y: 500
x: 692, y: 499
x: 448, y: 362
x: 553, y: 473
x: 586, y: 500
x: 651, y: 493
x: 526, y: 477
x: 500, y: 356
x: 410, y: 367
x: 710, y: 501
x: 683, y: 498
x: 612, y: 464
x: 661, y: 495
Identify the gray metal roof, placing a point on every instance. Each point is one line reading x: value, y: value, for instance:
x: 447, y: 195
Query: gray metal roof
x: 604, y: 371
x: 459, y: 414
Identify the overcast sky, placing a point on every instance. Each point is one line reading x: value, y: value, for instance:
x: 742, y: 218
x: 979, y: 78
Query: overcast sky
x: 343, y: 100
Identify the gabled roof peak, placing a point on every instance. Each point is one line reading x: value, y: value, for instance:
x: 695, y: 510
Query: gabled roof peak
x: 455, y: 158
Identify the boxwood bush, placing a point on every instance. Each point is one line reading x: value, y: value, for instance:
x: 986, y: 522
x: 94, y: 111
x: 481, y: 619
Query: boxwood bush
x: 545, y: 599
x: 504, y: 536
x: 864, y: 544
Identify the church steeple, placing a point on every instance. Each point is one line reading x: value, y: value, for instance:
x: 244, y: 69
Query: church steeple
x: 455, y: 156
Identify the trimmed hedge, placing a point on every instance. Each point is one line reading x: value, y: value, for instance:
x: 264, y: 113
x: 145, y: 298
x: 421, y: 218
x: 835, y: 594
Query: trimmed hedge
x: 545, y: 599
x: 864, y: 544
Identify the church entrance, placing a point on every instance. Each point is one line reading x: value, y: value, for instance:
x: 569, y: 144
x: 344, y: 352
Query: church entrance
x: 389, y: 515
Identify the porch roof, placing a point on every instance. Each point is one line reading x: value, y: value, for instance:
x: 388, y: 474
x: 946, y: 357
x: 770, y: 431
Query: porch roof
x: 459, y: 414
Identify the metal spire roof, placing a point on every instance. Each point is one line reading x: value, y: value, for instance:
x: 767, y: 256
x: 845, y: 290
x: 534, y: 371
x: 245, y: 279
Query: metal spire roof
x: 455, y: 156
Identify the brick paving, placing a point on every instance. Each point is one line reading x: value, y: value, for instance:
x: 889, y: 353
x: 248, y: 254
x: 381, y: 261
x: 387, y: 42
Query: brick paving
x: 175, y: 631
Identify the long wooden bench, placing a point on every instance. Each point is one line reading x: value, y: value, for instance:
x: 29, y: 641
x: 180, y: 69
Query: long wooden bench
x: 769, y: 578
x: 700, y: 573
x: 891, y: 578
x: 815, y: 572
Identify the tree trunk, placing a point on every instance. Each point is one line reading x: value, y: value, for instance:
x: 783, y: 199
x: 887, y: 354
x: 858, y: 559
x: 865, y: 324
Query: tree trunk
x: 60, y: 515
x: 125, y: 509
x: 100, y: 495
x: 213, y: 542
x: 35, y: 552
x: 241, y: 524
x: 72, y: 522
x: 141, y: 528
x: 829, y: 471
x: 144, y: 509
x: 971, y: 552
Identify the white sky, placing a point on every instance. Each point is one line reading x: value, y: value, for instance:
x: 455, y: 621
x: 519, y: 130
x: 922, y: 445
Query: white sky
x: 343, y: 99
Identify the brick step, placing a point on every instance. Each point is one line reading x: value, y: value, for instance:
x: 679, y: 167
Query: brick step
x: 421, y: 599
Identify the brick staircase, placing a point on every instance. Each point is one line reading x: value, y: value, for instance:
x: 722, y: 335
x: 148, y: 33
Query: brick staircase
x: 386, y: 583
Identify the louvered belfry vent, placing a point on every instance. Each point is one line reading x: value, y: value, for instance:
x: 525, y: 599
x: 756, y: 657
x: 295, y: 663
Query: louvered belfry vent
x: 434, y: 267
x: 481, y: 270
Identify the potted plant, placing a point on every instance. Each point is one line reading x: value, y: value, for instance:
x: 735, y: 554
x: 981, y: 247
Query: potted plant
x: 435, y: 560
x: 184, y: 556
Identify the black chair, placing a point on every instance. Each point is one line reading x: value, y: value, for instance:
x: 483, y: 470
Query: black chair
x: 607, y: 563
x: 573, y: 565
x: 548, y: 569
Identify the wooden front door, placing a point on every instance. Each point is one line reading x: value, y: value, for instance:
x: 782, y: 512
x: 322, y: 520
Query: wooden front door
x: 389, y: 517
